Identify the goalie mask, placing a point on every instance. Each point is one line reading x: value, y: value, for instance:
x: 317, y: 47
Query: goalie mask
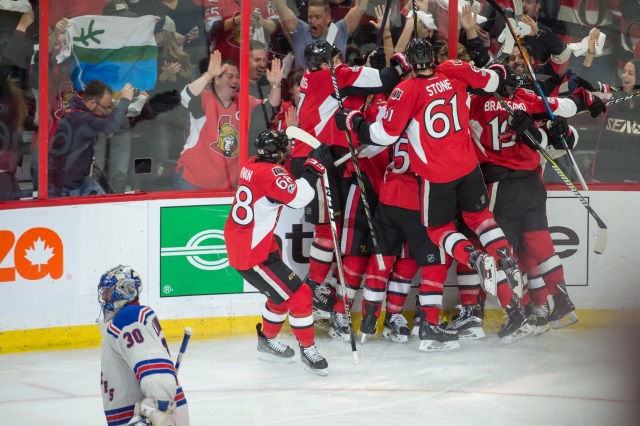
x: 272, y: 146
x: 419, y: 54
x: 118, y: 286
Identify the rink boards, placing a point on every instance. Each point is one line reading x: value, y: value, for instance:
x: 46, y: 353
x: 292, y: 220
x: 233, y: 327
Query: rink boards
x: 51, y: 260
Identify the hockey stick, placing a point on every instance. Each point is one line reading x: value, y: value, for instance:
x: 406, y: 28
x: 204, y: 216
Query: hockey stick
x: 616, y: 101
x: 331, y: 35
x: 314, y: 143
x: 415, y: 18
x: 309, y: 139
x: 601, y: 242
x: 529, y: 69
x: 188, y: 331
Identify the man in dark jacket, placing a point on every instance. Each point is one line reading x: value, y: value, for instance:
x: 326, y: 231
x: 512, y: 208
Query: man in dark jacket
x: 71, y: 151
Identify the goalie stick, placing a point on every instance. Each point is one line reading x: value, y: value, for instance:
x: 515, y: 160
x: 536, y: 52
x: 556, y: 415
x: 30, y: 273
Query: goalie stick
x: 299, y: 134
x: 188, y: 331
x: 331, y: 35
x: 525, y: 57
x: 601, y: 242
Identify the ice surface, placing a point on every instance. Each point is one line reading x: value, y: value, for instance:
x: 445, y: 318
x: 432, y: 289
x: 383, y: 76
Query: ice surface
x: 563, y: 377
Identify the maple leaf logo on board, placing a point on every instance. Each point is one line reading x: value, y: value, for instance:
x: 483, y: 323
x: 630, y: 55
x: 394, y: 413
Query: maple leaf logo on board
x: 39, y: 254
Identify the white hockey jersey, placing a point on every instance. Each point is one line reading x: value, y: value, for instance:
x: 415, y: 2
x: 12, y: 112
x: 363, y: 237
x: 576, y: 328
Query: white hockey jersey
x: 136, y: 364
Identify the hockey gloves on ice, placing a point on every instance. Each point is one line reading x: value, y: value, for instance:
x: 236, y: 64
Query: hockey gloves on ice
x: 319, y: 160
x: 593, y: 103
x: 399, y: 62
x: 520, y: 122
x: 378, y: 60
x: 557, y: 129
x: 508, y: 82
x: 349, y: 119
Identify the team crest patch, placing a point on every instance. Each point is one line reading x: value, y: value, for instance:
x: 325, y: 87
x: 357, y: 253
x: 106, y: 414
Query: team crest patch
x: 277, y: 171
x: 291, y: 189
x: 227, y: 143
x: 396, y: 94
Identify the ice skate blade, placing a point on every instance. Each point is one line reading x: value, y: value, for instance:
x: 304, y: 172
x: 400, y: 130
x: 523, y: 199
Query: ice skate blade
x: 525, y: 331
x: 263, y: 356
x: 323, y: 372
x: 539, y: 329
x: 471, y: 333
x: 435, y: 346
x: 320, y: 314
x: 395, y: 338
x: 365, y: 338
x: 567, y: 320
x: 339, y: 336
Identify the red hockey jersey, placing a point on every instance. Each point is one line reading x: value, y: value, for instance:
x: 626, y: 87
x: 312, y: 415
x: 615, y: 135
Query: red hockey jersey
x: 434, y: 110
x: 263, y: 189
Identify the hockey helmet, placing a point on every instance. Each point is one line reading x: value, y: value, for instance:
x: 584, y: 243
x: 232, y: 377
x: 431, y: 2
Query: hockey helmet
x: 118, y: 286
x: 419, y: 53
x: 317, y: 53
x: 272, y: 146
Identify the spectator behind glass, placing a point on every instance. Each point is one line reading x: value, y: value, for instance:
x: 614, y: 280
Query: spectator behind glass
x: 72, y: 148
x: 222, y: 23
x: 617, y: 155
x: 301, y: 34
x: 209, y: 159
x: 13, y: 113
x: 259, y: 88
x: 160, y: 135
x: 189, y: 22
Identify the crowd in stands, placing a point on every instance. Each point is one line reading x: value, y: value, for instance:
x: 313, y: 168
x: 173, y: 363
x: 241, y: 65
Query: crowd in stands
x: 153, y: 146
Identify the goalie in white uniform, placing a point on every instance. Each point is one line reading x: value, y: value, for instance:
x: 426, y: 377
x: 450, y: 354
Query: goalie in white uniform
x: 138, y: 381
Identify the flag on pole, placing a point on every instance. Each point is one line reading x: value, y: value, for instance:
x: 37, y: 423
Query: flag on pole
x: 113, y: 49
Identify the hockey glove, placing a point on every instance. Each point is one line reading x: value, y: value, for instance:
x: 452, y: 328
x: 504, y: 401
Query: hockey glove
x: 378, y: 60
x: 349, y: 119
x: 558, y: 129
x: 319, y: 160
x: 520, y: 122
x: 593, y: 103
x: 508, y: 82
x: 399, y: 62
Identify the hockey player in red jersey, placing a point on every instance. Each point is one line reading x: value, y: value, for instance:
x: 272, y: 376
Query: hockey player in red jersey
x: 209, y: 159
x: 138, y: 382
x: 315, y: 113
x: 433, y: 109
x: 263, y: 189
x: 510, y: 164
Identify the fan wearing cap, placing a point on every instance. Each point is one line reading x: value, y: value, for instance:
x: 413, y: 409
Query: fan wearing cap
x: 209, y: 159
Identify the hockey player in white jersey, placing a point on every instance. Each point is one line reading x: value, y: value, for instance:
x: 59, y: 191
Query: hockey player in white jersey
x: 138, y: 380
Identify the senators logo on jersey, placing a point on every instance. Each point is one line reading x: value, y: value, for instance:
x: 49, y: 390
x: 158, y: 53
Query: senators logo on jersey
x: 228, y: 143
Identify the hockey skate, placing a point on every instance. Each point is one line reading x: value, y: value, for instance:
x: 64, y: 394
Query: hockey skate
x: 324, y: 297
x: 313, y: 361
x: 435, y: 339
x: 563, y: 313
x: 542, y: 318
x: 272, y: 349
x: 467, y: 323
x: 517, y: 326
x: 369, y: 321
x: 416, y: 324
x: 485, y: 266
x: 395, y: 328
x: 510, y: 267
x: 339, y: 329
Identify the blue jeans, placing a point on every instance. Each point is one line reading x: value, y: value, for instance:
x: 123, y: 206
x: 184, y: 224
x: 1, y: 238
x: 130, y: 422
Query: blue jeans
x: 181, y: 184
x: 89, y: 186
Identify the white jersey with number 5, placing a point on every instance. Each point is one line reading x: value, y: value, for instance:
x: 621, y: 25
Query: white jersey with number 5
x: 263, y: 189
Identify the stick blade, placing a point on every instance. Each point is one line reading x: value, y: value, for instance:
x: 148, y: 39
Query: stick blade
x: 302, y: 136
x: 601, y: 242
x: 332, y: 33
